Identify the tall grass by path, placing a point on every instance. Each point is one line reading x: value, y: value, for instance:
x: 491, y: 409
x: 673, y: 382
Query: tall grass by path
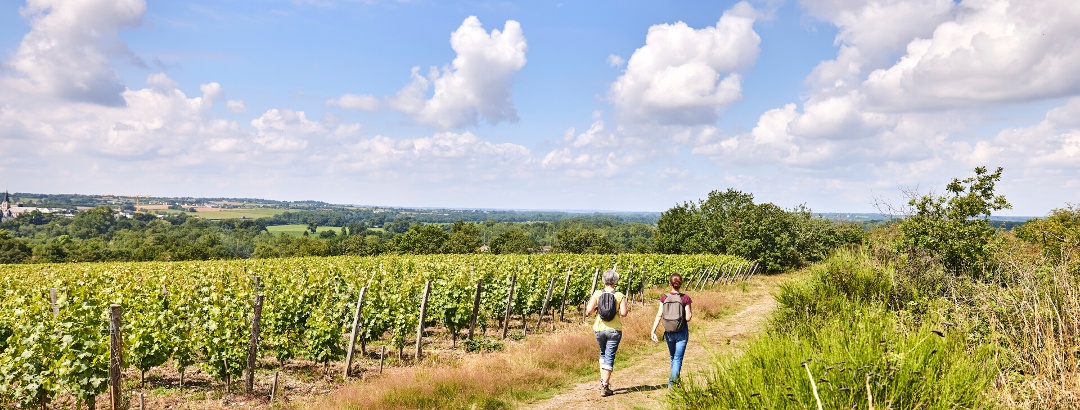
x: 904, y: 368
x: 846, y: 323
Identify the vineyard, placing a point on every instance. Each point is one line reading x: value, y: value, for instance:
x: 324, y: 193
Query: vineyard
x: 55, y: 329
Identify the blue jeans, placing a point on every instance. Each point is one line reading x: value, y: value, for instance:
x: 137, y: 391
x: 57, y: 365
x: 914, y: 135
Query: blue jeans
x: 676, y: 346
x: 608, y: 340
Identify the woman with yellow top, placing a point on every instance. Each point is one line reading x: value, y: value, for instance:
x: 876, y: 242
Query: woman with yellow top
x: 608, y: 332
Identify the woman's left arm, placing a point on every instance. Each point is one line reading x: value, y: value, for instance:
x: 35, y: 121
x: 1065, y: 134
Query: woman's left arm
x: 591, y: 306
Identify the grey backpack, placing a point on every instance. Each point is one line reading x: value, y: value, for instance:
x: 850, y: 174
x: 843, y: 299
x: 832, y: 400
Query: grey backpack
x: 672, y: 313
x: 607, y: 306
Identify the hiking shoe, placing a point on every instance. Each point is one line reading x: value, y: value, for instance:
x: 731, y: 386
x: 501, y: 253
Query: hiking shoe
x: 605, y: 390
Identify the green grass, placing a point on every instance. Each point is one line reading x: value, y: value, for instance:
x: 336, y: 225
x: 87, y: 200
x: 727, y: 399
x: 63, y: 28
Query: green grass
x: 298, y: 229
x: 837, y: 323
x: 251, y: 213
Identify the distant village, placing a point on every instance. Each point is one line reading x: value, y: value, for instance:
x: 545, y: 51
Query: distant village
x: 122, y: 207
x: 9, y: 211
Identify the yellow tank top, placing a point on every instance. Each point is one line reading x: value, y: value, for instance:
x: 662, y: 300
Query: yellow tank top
x: 613, y: 324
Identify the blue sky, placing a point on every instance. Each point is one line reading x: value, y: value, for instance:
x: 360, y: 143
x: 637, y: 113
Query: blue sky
x: 599, y: 105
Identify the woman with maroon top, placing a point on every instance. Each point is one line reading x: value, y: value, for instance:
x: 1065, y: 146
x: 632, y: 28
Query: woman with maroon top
x: 676, y: 340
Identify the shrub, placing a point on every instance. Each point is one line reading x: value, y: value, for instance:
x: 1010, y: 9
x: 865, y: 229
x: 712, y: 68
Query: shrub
x: 954, y: 229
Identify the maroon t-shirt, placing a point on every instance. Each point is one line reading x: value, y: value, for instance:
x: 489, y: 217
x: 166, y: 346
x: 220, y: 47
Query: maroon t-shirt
x: 686, y: 301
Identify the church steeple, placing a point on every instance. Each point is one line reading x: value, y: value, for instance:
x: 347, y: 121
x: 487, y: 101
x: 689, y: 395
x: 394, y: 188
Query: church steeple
x: 5, y: 208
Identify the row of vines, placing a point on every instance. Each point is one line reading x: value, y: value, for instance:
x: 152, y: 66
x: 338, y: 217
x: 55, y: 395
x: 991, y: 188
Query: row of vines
x: 54, y: 330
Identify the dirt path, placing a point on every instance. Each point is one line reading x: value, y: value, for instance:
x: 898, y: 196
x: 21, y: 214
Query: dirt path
x: 641, y: 380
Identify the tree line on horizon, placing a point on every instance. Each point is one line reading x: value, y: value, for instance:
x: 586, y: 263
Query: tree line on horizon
x: 727, y: 222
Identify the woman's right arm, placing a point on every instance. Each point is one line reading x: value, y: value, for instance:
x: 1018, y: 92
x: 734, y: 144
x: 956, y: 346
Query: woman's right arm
x: 656, y: 322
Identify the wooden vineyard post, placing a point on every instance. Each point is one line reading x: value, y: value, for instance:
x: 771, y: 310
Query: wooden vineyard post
x: 708, y: 276
x: 643, y: 286
x: 476, y: 307
x: 565, y: 289
x: 420, y: 325
x: 509, y: 299
x: 116, y: 360
x: 752, y: 271
x: 274, y: 387
x: 253, y: 348
x: 584, y: 312
x: 551, y: 286
x: 55, y: 307
x: 382, y: 357
x: 629, y: 276
x: 701, y: 278
x: 736, y: 272
x: 355, y: 332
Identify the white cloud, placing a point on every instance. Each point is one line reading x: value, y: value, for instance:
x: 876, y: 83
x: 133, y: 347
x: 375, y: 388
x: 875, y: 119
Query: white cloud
x: 687, y: 76
x: 66, y: 54
x: 596, y: 136
x: 477, y: 84
x: 445, y: 155
x: 236, y: 106
x: 597, y: 152
x: 864, y: 104
x: 360, y: 102
x: 1052, y: 144
x: 994, y: 51
x: 285, y: 130
x: 159, y: 121
x: 871, y: 34
x: 615, y: 61
x: 585, y: 165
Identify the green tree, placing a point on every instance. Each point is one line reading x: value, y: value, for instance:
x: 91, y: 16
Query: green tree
x: 1058, y: 234
x: 464, y: 238
x: 92, y: 223
x: 13, y: 250
x: 572, y: 240
x: 729, y: 222
x: 421, y: 240
x: 954, y: 228
x: 512, y: 241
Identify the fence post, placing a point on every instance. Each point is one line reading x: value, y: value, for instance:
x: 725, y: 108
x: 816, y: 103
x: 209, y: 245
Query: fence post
x: 509, y: 298
x: 253, y: 348
x: 476, y: 307
x: 584, y: 312
x: 643, y: 286
x: 116, y: 359
x: 420, y: 325
x: 565, y: 289
x: 55, y: 307
x: 551, y: 286
x: 354, y: 333
x: 382, y: 357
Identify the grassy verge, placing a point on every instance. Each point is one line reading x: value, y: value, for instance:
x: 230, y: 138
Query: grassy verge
x: 838, y: 338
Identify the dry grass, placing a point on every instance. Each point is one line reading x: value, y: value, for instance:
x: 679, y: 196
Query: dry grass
x: 493, y: 380
x: 1038, y: 318
x: 526, y: 371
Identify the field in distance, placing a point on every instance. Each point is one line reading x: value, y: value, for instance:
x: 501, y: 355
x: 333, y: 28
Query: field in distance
x: 298, y: 229
x: 207, y: 212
